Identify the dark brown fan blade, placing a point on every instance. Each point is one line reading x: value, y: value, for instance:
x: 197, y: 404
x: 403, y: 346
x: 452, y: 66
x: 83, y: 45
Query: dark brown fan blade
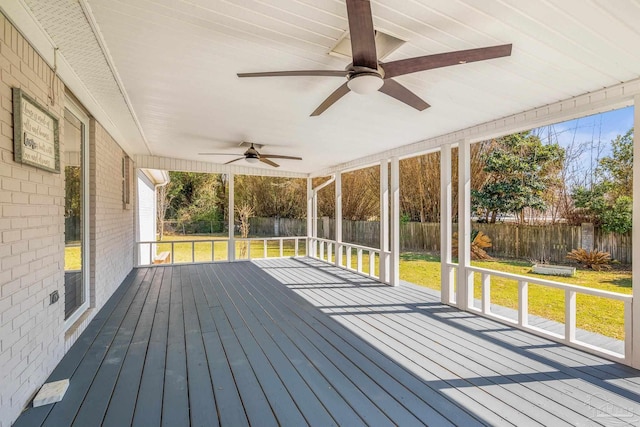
x: 401, y: 93
x: 429, y: 62
x: 234, y: 160
x: 276, y: 156
x: 217, y: 154
x: 337, y: 94
x: 326, y: 73
x: 363, y: 43
x: 269, y: 162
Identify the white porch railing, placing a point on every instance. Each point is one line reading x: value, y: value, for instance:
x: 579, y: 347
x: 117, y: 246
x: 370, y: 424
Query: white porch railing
x: 252, y: 248
x: 327, y: 250
x: 181, y: 251
x: 197, y: 251
x: 570, y: 291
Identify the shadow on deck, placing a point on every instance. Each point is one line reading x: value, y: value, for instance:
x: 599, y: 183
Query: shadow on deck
x: 296, y: 341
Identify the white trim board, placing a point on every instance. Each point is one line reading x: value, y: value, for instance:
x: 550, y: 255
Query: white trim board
x: 24, y: 21
x: 171, y: 164
x: 606, y: 99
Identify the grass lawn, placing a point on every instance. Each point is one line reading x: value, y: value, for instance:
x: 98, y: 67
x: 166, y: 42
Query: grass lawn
x: 72, y: 259
x: 600, y: 315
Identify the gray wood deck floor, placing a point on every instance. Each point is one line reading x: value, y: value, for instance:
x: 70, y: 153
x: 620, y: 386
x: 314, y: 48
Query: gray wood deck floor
x: 296, y: 342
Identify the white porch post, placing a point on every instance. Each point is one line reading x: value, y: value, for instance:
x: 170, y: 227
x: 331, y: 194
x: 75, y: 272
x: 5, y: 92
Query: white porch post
x: 394, y: 279
x: 634, y: 328
x: 338, y: 219
x: 232, y: 212
x: 464, y: 295
x: 315, y: 214
x: 310, y: 218
x: 384, y: 221
x: 446, y: 275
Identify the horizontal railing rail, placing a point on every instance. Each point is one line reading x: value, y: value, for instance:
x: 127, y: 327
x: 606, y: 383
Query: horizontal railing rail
x: 327, y: 250
x: 570, y: 291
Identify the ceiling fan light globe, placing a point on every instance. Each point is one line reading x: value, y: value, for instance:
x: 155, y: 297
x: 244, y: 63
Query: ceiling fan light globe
x: 252, y: 159
x: 364, y: 84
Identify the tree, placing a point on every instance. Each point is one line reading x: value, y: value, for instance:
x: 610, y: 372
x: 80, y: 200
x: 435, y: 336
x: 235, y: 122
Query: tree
x: 194, y: 197
x: 608, y: 203
x: 163, y: 200
x: 72, y: 203
x: 245, y: 212
x: 361, y: 194
x: 272, y: 196
x: 520, y: 170
x: 618, y: 168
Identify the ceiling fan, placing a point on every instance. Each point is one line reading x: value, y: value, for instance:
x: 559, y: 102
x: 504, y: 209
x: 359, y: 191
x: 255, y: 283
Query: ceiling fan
x: 366, y: 74
x: 253, y: 156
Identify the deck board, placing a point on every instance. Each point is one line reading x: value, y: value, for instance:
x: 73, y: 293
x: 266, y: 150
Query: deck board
x: 84, y: 376
x: 252, y: 392
x: 201, y: 398
x: 278, y: 394
x: 122, y: 405
x: 478, y: 367
x: 300, y: 342
x: 175, y: 405
x: 308, y: 364
x: 228, y: 402
x: 362, y: 365
x: 148, y: 405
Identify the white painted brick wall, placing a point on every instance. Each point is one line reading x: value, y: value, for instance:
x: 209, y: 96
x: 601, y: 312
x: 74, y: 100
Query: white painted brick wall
x: 31, y: 240
x: 112, y: 230
x: 32, y: 336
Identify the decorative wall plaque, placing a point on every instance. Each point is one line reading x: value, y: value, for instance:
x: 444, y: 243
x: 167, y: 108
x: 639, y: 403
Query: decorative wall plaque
x: 35, y: 134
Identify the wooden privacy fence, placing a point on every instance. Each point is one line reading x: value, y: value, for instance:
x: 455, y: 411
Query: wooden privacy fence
x: 549, y: 243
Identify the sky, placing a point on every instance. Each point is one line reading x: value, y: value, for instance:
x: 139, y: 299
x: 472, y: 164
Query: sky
x: 590, y: 136
x: 603, y: 126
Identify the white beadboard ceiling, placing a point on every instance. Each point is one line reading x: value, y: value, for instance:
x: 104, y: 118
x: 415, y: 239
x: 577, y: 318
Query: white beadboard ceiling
x: 176, y: 62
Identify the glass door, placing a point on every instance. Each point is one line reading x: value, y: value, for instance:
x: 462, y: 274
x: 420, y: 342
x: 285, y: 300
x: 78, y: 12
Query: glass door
x: 76, y: 289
